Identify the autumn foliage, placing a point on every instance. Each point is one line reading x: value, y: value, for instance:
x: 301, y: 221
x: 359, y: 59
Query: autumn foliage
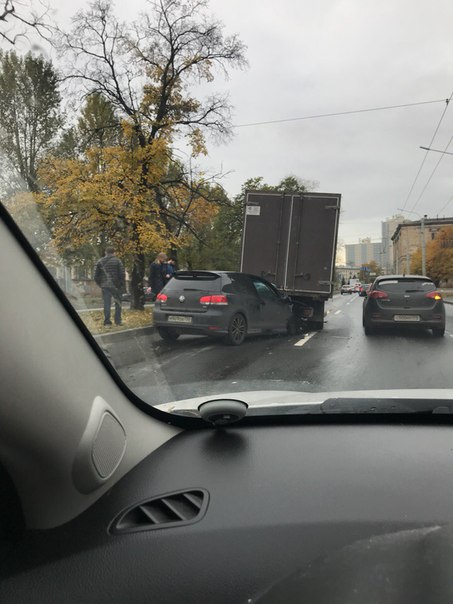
x: 439, y: 257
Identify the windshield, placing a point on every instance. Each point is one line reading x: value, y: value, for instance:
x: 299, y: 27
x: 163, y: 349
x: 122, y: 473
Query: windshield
x: 218, y: 189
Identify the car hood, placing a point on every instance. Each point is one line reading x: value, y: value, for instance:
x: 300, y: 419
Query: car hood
x: 283, y: 402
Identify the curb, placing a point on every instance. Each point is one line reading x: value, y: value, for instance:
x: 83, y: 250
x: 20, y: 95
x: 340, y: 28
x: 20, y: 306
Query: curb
x: 127, y: 347
x: 126, y: 333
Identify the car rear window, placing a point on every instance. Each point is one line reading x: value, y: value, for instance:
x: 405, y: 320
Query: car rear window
x: 405, y: 285
x: 195, y: 281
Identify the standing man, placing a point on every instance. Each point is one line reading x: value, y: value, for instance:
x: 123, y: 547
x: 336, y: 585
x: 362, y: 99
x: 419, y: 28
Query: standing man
x: 157, y: 278
x: 170, y: 269
x: 110, y: 276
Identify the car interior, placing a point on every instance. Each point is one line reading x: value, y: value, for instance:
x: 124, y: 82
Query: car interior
x: 106, y: 499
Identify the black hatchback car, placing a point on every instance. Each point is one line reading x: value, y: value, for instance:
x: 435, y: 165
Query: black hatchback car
x: 220, y: 303
x: 394, y: 300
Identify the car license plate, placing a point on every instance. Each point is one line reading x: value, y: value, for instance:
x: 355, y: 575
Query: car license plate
x: 406, y: 318
x: 179, y: 319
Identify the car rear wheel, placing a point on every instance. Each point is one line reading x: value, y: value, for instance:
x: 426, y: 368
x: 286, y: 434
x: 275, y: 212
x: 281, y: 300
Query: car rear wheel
x: 168, y: 333
x: 367, y: 329
x: 438, y: 332
x: 237, y: 330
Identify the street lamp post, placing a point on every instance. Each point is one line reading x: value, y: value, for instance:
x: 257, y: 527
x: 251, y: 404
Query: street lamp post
x: 422, y: 235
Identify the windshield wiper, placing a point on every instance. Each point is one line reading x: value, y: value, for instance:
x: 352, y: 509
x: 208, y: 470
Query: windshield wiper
x: 385, y: 405
x: 360, y: 406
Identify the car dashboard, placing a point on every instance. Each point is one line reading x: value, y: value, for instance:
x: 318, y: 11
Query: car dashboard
x: 227, y: 515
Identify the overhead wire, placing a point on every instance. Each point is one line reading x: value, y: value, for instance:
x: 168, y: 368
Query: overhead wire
x: 340, y: 113
x: 447, y: 102
x: 431, y: 175
x: 445, y: 205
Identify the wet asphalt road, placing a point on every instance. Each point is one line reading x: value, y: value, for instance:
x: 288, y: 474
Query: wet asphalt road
x: 340, y: 357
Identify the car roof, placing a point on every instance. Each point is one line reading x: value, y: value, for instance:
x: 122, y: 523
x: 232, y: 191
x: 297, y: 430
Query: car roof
x: 202, y: 273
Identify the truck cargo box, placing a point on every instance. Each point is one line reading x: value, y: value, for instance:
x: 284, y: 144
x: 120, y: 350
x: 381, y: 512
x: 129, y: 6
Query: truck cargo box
x: 291, y: 239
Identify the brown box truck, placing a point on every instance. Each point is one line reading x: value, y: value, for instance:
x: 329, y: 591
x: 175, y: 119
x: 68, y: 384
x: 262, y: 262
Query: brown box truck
x: 291, y: 240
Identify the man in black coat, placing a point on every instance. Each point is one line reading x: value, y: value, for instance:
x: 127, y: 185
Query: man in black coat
x: 109, y: 274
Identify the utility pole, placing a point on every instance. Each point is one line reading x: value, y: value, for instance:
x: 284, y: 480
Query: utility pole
x: 422, y: 235
x: 422, y: 232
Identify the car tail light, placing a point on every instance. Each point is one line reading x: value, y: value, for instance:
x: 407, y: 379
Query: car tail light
x: 377, y: 294
x: 216, y: 300
x: 162, y: 298
x: 434, y: 295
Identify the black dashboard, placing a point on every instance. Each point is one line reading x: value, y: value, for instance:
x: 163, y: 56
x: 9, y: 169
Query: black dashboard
x: 271, y: 501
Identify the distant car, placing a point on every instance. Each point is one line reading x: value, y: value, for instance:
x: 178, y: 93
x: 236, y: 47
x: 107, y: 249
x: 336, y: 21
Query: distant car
x: 219, y: 303
x: 395, y: 300
x: 357, y: 288
x: 346, y: 289
x: 364, y: 290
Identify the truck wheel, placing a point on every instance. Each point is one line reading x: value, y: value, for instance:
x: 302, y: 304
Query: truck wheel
x: 237, y: 330
x: 317, y: 325
x: 168, y: 333
x: 292, y: 327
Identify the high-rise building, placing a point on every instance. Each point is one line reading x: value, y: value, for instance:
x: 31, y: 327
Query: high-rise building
x: 388, y: 227
x: 358, y: 254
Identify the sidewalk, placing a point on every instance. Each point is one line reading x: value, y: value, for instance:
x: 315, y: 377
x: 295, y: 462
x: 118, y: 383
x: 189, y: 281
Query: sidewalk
x: 80, y: 310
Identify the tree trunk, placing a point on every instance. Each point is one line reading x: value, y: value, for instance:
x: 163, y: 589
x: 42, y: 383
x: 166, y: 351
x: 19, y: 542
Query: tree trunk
x: 136, y: 285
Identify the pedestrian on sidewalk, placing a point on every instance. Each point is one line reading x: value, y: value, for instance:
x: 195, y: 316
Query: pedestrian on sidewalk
x: 109, y: 274
x: 170, y: 269
x: 157, y: 278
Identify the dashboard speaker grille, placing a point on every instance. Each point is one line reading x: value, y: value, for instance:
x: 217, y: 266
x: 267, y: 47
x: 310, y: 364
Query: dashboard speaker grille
x: 173, y: 509
x: 108, y: 446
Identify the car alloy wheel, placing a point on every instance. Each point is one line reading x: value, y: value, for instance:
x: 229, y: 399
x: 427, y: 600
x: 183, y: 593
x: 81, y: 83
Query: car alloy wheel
x: 237, y: 330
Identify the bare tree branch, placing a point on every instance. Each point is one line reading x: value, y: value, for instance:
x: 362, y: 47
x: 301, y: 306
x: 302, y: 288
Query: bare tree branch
x: 17, y: 19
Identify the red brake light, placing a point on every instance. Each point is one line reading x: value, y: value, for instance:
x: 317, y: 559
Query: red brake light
x: 434, y: 295
x: 377, y: 294
x: 218, y: 300
x: 162, y: 297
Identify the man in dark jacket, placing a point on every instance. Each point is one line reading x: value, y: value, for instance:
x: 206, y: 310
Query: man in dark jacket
x: 170, y: 269
x: 157, y: 278
x: 109, y: 274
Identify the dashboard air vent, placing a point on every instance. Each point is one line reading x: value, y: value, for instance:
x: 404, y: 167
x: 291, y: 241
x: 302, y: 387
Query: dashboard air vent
x: 173, y: 509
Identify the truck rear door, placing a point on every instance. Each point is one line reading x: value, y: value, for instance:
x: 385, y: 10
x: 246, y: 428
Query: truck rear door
x: 291, y: 240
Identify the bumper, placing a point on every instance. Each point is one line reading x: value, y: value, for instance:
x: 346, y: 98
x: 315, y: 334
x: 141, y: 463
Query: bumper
x: 426, y: 320
x: 210, y: 323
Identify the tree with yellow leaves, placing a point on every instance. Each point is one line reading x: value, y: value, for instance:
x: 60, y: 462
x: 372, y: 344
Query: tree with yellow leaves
x: 439, y: 257
x: 145, y: 70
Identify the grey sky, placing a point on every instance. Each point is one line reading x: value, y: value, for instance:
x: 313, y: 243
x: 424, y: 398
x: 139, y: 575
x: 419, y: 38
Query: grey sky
x: 321, y: 57
x: 339, y: 55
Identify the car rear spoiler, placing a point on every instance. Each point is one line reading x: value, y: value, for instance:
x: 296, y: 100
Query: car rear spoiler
x: 202, y: 275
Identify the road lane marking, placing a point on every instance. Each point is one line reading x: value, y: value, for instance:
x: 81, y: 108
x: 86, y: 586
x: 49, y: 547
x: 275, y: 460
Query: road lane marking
x: 337, y: 312
x: 305, y: 339
x: 204, y: 349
